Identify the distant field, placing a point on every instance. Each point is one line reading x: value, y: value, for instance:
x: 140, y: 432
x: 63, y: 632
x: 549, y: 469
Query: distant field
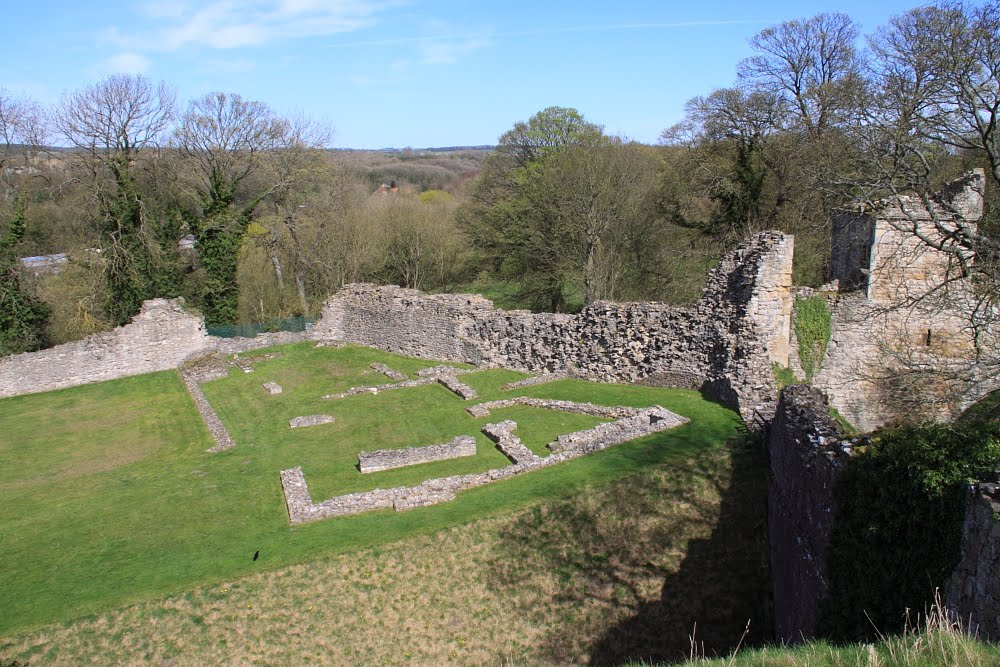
x: 108, y: 496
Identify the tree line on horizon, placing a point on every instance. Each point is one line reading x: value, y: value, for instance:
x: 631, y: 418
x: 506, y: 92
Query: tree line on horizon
x: 560, y: 214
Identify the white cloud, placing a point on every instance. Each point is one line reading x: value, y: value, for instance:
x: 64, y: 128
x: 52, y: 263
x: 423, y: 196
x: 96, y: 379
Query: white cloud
x: 437, y: 51
x: 229, y: 24
x: 126, y: 63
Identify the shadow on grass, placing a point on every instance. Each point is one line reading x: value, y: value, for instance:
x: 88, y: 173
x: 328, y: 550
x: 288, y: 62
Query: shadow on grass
x: 628, y: 571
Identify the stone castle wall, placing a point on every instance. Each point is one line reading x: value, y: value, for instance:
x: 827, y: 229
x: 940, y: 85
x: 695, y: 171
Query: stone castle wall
x: 973, y: 592
x: 901, y: 326
x: 806, y: 454
x: 161, y: 336
x: 724, y: 344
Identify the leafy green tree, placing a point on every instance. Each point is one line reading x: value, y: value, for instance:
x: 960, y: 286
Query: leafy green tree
x: 579, y: 200
x: 515, y: 239
x: 544, y: 133
x: 23, y: 316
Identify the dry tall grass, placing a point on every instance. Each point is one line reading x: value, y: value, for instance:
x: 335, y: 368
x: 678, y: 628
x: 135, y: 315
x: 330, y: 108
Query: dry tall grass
x: 935, y: 639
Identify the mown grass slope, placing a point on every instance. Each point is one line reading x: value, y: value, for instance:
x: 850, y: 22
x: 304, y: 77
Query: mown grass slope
x: 108, y: 496
x: 598, y: 575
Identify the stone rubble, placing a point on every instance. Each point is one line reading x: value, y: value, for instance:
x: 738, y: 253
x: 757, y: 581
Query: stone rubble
x: 309, y: 420
x: 386, y: 459
x: 390, y: 373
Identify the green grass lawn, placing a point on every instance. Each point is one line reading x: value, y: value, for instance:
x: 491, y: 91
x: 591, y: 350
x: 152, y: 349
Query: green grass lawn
x: 107, y: 494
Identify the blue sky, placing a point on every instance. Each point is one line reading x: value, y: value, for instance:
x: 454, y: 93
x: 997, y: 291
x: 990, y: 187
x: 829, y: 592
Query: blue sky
x: 409, y: 72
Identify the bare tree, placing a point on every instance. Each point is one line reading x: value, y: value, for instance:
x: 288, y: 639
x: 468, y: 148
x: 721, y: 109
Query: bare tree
x: 225, y: 140
x: 115, y: 119
x: 23, y: 135
x: 111, y: 124
x: 811, y: 63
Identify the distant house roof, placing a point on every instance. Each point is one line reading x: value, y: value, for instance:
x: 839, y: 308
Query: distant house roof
x: 45, y: 263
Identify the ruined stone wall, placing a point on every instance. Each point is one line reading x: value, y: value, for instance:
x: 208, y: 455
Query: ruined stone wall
x: 158, y: 338
x: 806, y: 454
x: 902, y: 338
x: 724, y: 344
x: 401, y: 320
x: 973, y: 592
x: 851, y: 250
x: 386, y: 459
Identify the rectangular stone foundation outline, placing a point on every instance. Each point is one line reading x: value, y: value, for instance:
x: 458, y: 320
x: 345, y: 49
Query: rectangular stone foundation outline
x: 301, y: 508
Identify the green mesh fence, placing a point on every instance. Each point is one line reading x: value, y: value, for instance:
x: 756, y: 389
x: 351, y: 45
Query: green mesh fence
x: 250, y: 330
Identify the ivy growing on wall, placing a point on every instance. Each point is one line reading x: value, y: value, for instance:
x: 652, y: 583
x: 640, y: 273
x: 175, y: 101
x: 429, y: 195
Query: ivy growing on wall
x: 22, y: 315
x: 897, y: 530
x: 811, y: 318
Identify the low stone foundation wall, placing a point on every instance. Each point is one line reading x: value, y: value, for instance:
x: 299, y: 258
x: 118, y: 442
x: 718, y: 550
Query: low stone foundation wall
x: 309, y: 420
x: 389, y: 372
x: 602, y: 411
x: 301, y: 507
x: 216, y: 428
x: 613, y: 433
x: 457, y: 387
x: 537, y: 379
x: 386, y: 459
x: 508, y: 443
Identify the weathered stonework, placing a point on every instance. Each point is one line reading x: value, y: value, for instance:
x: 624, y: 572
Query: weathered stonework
x: 807, y: 454
x: 386, y: 459
x: 532, y: 380
x: 301, y: 507
x: 159, y: 338
x: 724, y: 345
x: 902, y: 335
x: 389, y: 372
x: 216, y: 428
x: 456, y: 386
x: 602, y: 411
x: 309, y: 420
x: 502, y: 434
x: 443, y: 375
x: 973, y: 592
x: 354, y: 391
x: 614, y: 433
x: 272, y: 388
